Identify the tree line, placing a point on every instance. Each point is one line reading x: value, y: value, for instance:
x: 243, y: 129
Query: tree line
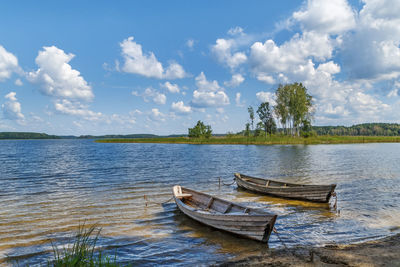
x: 365, y: 129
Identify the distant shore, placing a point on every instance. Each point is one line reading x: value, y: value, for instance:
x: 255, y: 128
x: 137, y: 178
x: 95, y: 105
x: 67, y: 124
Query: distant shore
x: 382, y: 252
x: 271, y: 140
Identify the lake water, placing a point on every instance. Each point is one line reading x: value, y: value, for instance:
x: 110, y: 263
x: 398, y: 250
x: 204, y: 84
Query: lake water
x: 49, y: 187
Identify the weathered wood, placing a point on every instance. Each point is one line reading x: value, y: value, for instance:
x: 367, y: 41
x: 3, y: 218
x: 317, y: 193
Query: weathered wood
x: 314, y: 193
x: 225, y: 215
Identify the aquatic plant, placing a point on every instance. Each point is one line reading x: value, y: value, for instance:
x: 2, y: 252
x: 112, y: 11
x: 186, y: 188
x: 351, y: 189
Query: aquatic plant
x: 82, y: 251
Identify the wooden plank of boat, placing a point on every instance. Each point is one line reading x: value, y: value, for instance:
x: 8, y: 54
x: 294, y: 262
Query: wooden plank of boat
x: 224, y: 215
x: 314, y: 193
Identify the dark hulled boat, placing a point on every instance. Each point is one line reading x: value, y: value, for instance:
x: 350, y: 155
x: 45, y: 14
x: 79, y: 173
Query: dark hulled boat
x: 314, y: 193
x: 224, y: 215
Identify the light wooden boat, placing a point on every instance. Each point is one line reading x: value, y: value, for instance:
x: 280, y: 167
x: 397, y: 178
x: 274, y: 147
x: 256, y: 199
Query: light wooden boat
x: 314, y: 193
x: 224, y: 215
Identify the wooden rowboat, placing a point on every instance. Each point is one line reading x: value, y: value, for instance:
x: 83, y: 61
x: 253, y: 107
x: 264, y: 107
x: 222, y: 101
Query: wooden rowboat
x: 224, y: 215
x: 314, y: 193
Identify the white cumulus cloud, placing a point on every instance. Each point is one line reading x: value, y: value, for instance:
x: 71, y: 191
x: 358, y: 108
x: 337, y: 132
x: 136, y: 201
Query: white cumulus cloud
x: 156, y: 115
x: 57, y: 78
x: 180, y: 108
x: 266, y: 97
x: 137, y: 62
x: 153, y: 95
x: 236, y: 80
x: 171, y: 87
x: 204, y: 85
x: 8, y: 64
x: 209, y: 99
x: 76, y: 109
x: 208, y: 93
x: 223, y: 50
x: 12, y: 108
x: 333, y: 16
x: 238, y: 100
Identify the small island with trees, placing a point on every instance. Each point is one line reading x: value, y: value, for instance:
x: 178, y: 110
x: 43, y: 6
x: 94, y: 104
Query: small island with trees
x: 293, y: 112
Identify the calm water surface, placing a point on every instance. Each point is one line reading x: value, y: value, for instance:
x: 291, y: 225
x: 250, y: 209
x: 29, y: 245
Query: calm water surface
x: 49, y: 187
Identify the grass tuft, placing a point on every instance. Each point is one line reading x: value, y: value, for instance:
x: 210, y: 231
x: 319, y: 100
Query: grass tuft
x: 82, y: 251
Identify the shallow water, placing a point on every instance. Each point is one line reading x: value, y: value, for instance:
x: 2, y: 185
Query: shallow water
x: 49, y: 187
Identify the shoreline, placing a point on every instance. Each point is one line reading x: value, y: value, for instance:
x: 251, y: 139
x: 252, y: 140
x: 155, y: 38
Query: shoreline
x: 380, y: 252
x: 271, y: 140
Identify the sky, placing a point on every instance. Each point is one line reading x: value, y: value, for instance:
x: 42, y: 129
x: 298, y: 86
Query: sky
x: 126, y: 67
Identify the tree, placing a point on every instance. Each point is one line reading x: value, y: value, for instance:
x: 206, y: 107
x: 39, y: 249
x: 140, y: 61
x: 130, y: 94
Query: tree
x: 259, y: 129
x: 282, y: 106
x: 265, y: 114
x: 247, y: 130
x: 251, y: 114
x: 293, y: 106
x: 200, y: 131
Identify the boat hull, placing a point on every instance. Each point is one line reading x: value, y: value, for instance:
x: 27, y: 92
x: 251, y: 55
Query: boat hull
x: 313, y: 193
x: 240, y: 220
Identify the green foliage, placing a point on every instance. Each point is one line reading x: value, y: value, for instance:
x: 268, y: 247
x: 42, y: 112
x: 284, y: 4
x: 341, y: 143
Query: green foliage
x: 265, y: 114
x: 200, y: 131
x: 366, y: 129
x: 251, y: 115
x: 26, y: 135
x: 259, y: 129
x: 247, y: 130
x: 293, y: 107
x: 81, y: 253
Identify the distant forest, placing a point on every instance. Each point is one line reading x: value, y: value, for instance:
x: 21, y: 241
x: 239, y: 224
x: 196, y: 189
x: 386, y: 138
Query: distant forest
x: 26, y: 135
x: 365, y: 129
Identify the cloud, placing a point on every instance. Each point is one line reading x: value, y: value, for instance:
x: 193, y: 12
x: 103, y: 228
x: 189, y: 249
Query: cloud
x: 76, y: 109
x: 266, y: 97
x: 371, y: 51
x: 156, y: 115
x: 18, y: 82
x: 204, y: 85
x: 151, y: 94
x: 333, y: 16
x: 190, y: 43
x: 57, y: 78
x: 8, y: 64
x: 292, y: 57
x: 236, y: 31
x: 209, y: 99
x: 236, y: 80
x: 238, y: 101
x: 208, y: 94
x: 223, y: 50
x: 180, y: 108
x: 136, y: 62
x: 12, y: 108
x: 171, y: 87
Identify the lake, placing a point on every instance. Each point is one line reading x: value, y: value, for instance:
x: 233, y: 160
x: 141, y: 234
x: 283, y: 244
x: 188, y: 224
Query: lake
x: 49, y: 187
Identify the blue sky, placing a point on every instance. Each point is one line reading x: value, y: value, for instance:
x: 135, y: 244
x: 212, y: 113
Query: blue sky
x: 81, y: 67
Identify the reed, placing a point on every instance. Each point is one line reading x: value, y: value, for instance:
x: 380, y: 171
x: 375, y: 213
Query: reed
x: 82, y: 251
x: 270, y: 140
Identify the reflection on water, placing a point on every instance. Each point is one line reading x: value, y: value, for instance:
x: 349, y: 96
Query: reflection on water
x: 49, y: 187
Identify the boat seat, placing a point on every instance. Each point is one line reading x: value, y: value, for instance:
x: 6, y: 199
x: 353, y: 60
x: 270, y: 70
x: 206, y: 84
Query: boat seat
x: 178, y: 192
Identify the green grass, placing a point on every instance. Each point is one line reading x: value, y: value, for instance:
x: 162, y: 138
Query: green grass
x: 270, y: 140
x: 82, y: 251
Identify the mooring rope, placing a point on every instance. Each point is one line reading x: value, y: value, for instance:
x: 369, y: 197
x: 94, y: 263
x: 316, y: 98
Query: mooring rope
x: 279, y: 237
x: 156, y: 203
x: 219, y: 182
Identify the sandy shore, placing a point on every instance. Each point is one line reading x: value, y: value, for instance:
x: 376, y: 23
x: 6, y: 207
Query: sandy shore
x: 383, y: 252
